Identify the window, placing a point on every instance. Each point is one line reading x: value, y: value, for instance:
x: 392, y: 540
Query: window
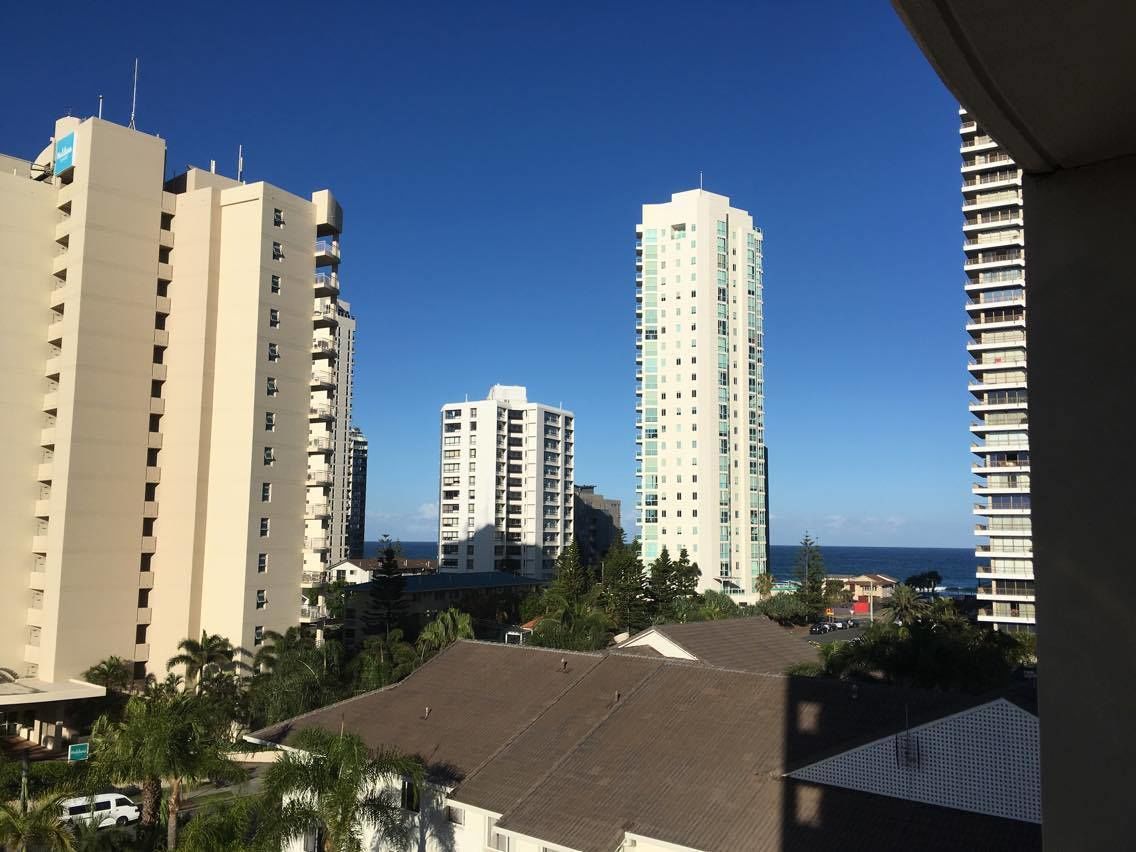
x: 278, y: 217
x: 273, y: 351
x: 409, y: 798
x: 265, y: 492
x: 258, y: 635
x: 274, y: 317
x: 270, y: 386
x: 261, y: 563
x: 277, y: 251
x: 264, y: 527
x: 261, y: 599
x: 274, y: 287
x: 452, y: 454
x: 269, y: 456
x: 455, y: 815
x: 270, y: 421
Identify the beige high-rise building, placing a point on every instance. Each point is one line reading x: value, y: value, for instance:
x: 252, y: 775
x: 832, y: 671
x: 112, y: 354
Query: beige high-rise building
x: 171, y: 404
x: 700, y: 386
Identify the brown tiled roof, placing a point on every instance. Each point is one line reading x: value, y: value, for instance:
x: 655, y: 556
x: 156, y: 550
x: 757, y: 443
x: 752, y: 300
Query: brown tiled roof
x: 679, y: 751
x: 746, y: 644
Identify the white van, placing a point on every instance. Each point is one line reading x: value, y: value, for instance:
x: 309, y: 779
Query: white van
x: 104, y: 809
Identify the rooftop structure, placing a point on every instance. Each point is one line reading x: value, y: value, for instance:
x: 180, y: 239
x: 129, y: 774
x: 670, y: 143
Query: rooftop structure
x: 581, y: 752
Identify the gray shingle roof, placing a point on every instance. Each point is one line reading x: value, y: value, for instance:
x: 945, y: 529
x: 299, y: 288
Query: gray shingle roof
x: 686, y: 753
x: 745, y: 644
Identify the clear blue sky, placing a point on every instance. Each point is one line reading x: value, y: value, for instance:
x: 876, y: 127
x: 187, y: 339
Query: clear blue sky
x: 491, y: 159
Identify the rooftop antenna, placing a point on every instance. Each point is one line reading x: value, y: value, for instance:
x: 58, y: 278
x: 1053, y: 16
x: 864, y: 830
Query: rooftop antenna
x: 134, y: 96
x: 100, y: 106
x: 700, y: 179
x: 240, y: 162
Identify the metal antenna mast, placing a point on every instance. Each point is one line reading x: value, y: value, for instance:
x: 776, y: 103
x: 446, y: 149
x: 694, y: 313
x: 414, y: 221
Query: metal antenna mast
x: 134, y: 95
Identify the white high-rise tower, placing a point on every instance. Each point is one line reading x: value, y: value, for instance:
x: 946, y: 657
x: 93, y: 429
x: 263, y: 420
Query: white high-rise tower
x: 994, y: 241
x: 700, y: 410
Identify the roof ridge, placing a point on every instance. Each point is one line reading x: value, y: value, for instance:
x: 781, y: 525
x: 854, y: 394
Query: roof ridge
x: 552, y: 703
x: 657, y: 666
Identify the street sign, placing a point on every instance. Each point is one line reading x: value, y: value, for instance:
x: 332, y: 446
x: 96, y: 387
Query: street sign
x: 829, y: 611
x: 78, y: 751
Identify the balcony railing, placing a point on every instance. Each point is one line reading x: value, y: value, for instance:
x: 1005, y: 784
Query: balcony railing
x: 322, y: 347
x: 316, y: 543
x: 320, y: 412
x: 319, y: 477
x: 313, y: 613
x: 314, y: 578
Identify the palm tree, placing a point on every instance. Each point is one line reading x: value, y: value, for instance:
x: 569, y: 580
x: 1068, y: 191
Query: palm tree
x: 904, y: 605
x: 88, y: 837
x: 580, y: 627
x: 114, y: 673
x: 763, y: 585
x: 384, y: 660
x: 226, y: 827
x: 166, y: 738
x: 337, y: 788
x: 443, y: 631
x: 212, y: 655
x: 23, y: 829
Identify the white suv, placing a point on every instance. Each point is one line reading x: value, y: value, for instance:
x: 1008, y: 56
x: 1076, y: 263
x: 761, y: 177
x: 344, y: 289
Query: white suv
x: 103, y: 809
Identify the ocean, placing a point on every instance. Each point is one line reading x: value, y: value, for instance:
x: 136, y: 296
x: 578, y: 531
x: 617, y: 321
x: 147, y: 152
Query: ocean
x: 955, y: 565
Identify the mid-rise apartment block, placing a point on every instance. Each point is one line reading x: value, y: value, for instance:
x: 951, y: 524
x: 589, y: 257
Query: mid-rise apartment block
x: 169, y: 404
x: 356, y: 489
x: 700, y: 461
x: 994, y: 243
x: 597, y: 523
x: 505, y: 499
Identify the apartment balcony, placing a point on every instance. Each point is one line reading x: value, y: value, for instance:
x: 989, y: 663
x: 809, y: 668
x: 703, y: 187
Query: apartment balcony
x: 165, y: 238
x: 324, y: 315
x: 161, y: 337
x: 37, y: 580
x: 47, y: 436
x: 1009, y: 447
x: 983, y: 183
x: 968, y: 127
x: 987, y: 223
x: 994, y: 239
x: 321, y: 412
x: 141, y: 653
x: 978, y: 388
x: 989, y: 201
x: 159, y: 372
x: 988, y: 616
x: 310, y: 614
x: 157, y: 405
x: 169, y: 202
x: 977, y: 143
x: 150, y: 509
x: 320, y: 477
x: 323, y: 348
x: 987, y: 161
x: 999, y: 364
x: 987, y: 469
x: 149, y: 544
x: 153, y: 475
x: 323, y: 380
x: 39, y: 543
x: 321, y: 543
x: 43, y: 508
x: 59, y: 294
x: 987, y: 551
x: 987, y: 593
x: 45, y: 471
x: 34, y: 616
x: 984, y: 322
x: 1014, y: 340
x: 317, y: 511
x: 326, y: 284
x: 55, y: 332
x: 144, y: 615
x: 59, y: 264
x: 998, y: 511
x: 986, y: 572
x: 327, y: 252
x: 999, y: 489
x: 980, y: 407
x: 313, y: 578
x: 994, y: 260
x: 320, y: 445
x: 998, y: 303
x: 165, y: 271
x: 154, y: 440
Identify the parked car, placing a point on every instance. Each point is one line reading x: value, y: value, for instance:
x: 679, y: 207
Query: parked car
x: 104, y: 809
x: 852, y: 622
x: 839, y: 625
x: 821, y: 627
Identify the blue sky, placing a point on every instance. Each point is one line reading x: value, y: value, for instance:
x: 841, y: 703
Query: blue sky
x: 491, y: 159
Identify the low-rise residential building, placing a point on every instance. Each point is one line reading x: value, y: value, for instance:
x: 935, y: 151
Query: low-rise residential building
x: 529, y: 750
x: 863, y: 586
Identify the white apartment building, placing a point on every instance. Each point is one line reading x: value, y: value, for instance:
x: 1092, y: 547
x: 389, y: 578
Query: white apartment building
x: 994, y: 242
x: 700, y: 423
x: 505, y: 501
x: 161, y: 405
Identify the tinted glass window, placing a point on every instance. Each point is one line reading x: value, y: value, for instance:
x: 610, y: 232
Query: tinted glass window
x: 78, y: 809
x: 123, y: 802
x: 102, y: 806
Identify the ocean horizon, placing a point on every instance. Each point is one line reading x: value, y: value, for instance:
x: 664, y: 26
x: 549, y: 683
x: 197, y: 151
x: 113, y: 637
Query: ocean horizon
x: 956, y: 565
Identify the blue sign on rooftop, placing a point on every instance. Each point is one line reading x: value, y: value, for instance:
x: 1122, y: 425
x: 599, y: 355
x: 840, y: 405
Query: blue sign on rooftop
x: 64, y: 153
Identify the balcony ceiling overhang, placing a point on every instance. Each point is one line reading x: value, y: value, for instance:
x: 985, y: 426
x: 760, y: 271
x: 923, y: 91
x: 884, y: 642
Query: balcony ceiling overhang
x: 1051, y: 81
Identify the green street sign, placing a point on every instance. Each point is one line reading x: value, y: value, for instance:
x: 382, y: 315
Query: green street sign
x: 78, y: 751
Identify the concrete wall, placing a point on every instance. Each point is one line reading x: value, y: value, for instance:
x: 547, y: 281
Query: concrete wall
x: 27, y: 221
x: 1081, y: 222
